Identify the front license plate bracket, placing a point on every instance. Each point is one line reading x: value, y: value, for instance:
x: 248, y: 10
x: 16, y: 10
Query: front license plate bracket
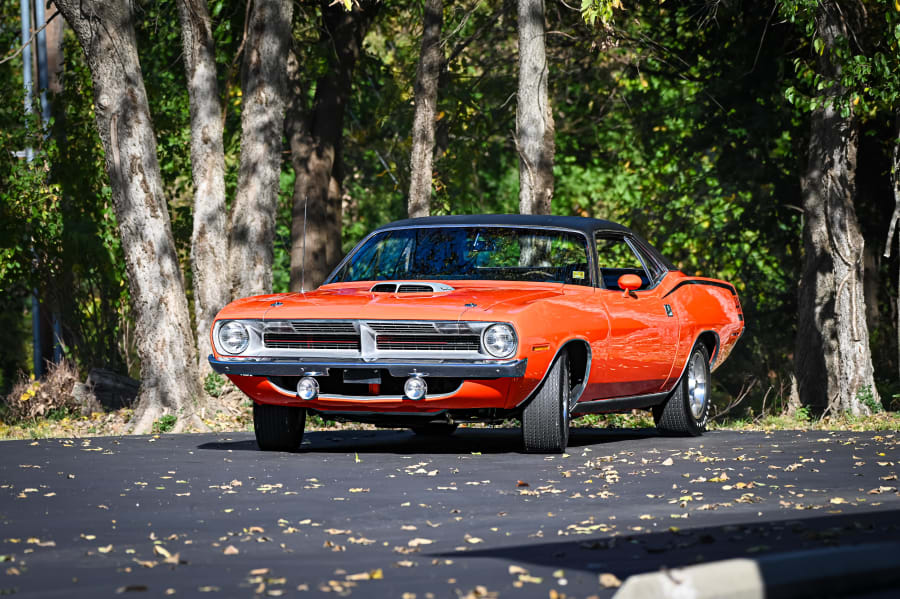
x: 362, y: 376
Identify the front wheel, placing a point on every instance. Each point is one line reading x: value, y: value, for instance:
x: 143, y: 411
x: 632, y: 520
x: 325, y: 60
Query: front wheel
x: 545, y: 421
x: 686, y: 411
x: 278, y: 428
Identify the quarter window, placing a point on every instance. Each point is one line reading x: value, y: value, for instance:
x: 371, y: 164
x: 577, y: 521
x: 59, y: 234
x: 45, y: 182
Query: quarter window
x: 615, y: 257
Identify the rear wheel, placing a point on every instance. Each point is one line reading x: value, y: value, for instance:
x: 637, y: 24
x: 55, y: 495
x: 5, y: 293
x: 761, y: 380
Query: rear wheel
x: 686, y: 411
x: 435, y: 429
x: 278, y: 428
x: 545, y: 421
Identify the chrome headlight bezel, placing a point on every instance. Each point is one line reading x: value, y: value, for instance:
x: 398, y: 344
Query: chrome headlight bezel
x: 225, y: 333
x: 499, y: 332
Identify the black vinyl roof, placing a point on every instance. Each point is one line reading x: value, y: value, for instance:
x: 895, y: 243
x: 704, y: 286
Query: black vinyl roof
x: 588, y: 226
x: 577, y: 223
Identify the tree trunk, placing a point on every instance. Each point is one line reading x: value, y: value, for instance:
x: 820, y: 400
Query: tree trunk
x: 209, y: 242
x: 833, y: 362
x: 534, y: 118
x: 895, y: 181
x: 165, y: 341
x: 426, y: 94
x: 252, y: 236
x: 315, y: 148
x: 309, y: 223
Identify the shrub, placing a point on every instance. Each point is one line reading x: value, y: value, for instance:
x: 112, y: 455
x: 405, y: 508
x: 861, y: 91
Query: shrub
x: 164, y: 424
x: 49, y: 396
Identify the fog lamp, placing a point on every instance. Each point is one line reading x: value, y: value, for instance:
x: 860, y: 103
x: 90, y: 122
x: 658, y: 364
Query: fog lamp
x: 415, y: 387
x: 308, y: 388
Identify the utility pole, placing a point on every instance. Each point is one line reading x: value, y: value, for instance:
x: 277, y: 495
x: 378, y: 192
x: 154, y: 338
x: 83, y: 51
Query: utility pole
x: 43, y: 73
x: 25, y: 7
x: 40, y: 51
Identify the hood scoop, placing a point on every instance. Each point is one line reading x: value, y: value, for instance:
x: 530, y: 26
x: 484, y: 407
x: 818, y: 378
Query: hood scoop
x: 411, y: 287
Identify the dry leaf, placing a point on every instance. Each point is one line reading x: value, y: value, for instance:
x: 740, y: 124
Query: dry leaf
x: 609, y: 581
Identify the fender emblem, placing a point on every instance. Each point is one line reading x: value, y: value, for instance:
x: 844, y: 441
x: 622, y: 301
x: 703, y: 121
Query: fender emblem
x: 669, y: 311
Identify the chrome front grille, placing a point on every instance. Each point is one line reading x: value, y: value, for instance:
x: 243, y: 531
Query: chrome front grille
x: 352, y: 338
x: 305, y: 334
x: 420, y: 328
x: 323, y: 327
x: 304, y: 341
x: 452, y: 343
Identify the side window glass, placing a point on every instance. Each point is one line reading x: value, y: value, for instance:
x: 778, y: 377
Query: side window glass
x: 616, y: 258
x: 651, y: 265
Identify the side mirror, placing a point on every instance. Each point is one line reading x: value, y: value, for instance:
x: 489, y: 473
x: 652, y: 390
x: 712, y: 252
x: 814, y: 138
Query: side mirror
x: 629, y: 283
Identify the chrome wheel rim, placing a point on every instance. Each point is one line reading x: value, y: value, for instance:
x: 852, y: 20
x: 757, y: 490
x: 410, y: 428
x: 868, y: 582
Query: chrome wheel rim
x: 697, y: 381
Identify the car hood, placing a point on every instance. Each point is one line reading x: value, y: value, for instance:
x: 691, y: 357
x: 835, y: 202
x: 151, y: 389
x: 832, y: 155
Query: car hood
x: 466, y: 300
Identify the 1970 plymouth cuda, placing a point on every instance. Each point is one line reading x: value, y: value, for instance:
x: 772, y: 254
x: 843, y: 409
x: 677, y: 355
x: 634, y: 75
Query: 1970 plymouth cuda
x: 430, y: 322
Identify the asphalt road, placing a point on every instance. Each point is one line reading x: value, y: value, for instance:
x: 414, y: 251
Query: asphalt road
x: 387, y: 514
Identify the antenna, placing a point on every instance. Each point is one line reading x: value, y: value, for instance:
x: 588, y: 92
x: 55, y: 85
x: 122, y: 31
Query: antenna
x: 303, y: 257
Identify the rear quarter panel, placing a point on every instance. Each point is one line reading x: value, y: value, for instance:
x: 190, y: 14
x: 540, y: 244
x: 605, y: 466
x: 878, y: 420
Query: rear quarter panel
x: 703, y: 305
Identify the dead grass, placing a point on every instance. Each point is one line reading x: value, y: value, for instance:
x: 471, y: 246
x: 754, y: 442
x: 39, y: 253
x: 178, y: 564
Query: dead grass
x: 49, y: 397
x: 46, y: 409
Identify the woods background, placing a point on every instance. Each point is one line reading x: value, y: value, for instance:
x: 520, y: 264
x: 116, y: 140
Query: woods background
x: 180, y: 149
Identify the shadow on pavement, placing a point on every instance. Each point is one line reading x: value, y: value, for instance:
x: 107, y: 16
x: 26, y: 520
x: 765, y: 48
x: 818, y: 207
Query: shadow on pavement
x: 464, y: 441
x: 638, y: 553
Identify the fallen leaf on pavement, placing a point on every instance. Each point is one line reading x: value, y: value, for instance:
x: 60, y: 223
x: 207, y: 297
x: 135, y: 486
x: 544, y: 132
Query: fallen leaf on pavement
x: 609, y: 581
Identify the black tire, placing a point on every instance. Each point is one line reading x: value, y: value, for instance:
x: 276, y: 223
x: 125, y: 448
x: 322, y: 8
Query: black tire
x: 278, y: 428
x: 435, y: 429
x: 545, y: 421
x: 677, y: 417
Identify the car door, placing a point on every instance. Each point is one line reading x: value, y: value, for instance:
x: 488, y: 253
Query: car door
x: 643, y: 333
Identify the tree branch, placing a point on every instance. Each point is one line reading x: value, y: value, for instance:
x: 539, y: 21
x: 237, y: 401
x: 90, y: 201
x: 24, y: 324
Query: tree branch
x: 31, y: 39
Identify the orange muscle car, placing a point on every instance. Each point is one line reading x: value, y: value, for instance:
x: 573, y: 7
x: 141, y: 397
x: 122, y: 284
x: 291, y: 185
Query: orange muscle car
x: 430, y: 322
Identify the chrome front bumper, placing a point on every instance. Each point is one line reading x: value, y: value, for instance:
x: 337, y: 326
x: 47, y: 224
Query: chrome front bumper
x: 475, y: 369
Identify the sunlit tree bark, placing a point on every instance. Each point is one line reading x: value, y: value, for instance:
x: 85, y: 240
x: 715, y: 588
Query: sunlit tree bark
x: 833, y: 362
x: 252, y: 236
x: 426, y: 95
x: 209, y: 241
x: 165, y: 341
x: 535, y: 129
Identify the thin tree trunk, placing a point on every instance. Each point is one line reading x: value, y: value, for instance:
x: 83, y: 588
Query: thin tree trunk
x: 315, y: 148
x: 309, y: 224
x: 209, y: 260
x: 535, y: 130
x: 833, y: 362
x: 426, y: 95
x: 252, y: 236
x: 164, y: 338
x: 895, y: 181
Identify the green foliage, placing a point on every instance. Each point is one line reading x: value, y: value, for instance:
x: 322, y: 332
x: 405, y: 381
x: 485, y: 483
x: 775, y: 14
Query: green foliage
x: 865, y: 77
x: 599, y: 10
x: 866, y: 397
x: 802, y: 414
x: 671, y: 119
x: 214, y: 384
x: 164, y: 424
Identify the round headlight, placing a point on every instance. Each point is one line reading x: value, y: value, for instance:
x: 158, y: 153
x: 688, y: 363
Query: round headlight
x: 234, y: 337
x: 500, y: 340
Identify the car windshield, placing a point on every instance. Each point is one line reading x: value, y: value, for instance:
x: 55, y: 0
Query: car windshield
x: 477, y: 253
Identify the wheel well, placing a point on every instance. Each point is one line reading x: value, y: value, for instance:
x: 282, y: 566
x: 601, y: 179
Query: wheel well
x: 711, y: 341
x: 579, y: 356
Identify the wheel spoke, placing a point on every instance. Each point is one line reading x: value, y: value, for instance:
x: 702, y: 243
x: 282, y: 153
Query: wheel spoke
x: 697, y: 386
